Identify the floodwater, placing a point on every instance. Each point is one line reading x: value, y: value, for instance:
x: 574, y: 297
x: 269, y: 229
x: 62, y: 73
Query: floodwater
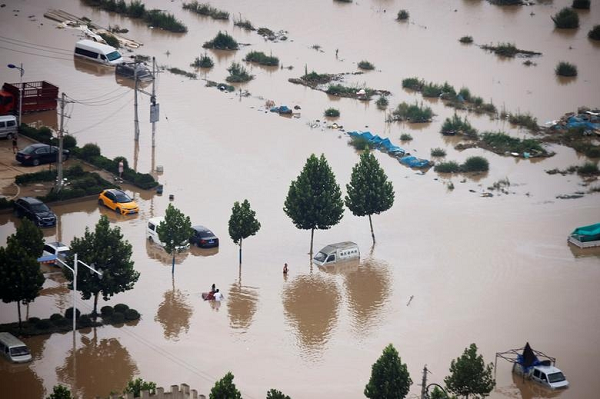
x: 494, y: 271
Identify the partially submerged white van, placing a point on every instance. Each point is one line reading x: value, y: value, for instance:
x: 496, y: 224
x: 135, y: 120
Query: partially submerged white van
x: 98, y: 52
x: 152, y: 234
x: 13, y: 348
x: 8, y: 126
x: 339, y: 252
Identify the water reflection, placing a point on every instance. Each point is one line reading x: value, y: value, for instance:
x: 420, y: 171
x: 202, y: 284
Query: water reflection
x: 158, y: 253
x: 310, y: 304
x: 97, y: 368
x: 115, y: 217
x: 584, y: 252
x: 196, y: 251
x: 368, y: 289
x: 525, y: 389
x: 241, y: 305
x: 92, y: 68
x: 20, y: 381
x: 174, y: 313
x: 565, y: 80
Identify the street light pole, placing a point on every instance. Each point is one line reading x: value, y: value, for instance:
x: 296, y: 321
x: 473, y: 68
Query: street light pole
x: 22, y: 71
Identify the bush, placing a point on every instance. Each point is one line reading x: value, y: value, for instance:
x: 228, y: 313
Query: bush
x: 43, y: 134
x: 526, y: 120
x: 69, y: 314
x: 247, y: 25
x: 5, y: 203
x: 588, y: 168
x: 457, y: 125
x: 581, y: 4
x: 43, y: 324
x: 74, y: 171
x: 131, y: 314
x: 206, y: 9
x: 431, y: 90
x: 43, y: 175
x: 475, y: 164
x: 89, y: 151
x: 405, y: 137
x: 164, y: 20
x: 594, y: 33
x: 360, y: 143
x: 566, y: 19
x: 502, y: 143
x: 438, y: 152
x: 566, y: 69
x: 33, y: 320
x: 69, y: 142
x: 117, y: 318
x: 332, y: 112
x: 366, y: 65
x: 56, y: 316
x: 106, y: 311
x: 402, y: 15
x: 261, y: 58
x: 203, y: 62
x: 275, y: 394
x: 382, y: 102
x: 223, y: 41
x: 237, y: 74
x: 121, y: 308
x: 447, y: 167
x: 413, y: 113
x: 466, y: 39
x: 412, y: 83
x: 138, y: 385
x: 110, y: 40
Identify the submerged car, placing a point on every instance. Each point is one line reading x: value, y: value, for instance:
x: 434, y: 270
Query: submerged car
x: 131, y: 69
x: 58, y: 249
x: 203, y: 237
x: 36, y: 154
x: 152, y: 234
x: 118, y: 201
x: 34, y: 210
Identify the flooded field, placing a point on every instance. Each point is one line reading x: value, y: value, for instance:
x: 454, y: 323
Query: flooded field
x: 494, y: 271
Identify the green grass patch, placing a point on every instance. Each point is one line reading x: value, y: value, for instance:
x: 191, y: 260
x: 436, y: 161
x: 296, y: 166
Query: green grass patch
x: 566, y: 19
x: 261, y: 58
x: 222, y: 41
x: 416, y: 113
x: 525, y: 120
x: 332, y: 112
x: 588, y: 169
x: 438, y: 152
x: 502, y: 143
x: 203, y: 61
x: 206, y: 10
x: 594, y: 33
x: 565, y: 69
x: 366, y: 65
x: 238, y: 74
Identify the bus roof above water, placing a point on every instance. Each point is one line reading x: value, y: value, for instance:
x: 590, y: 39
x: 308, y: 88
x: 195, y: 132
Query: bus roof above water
x: 98, y: 52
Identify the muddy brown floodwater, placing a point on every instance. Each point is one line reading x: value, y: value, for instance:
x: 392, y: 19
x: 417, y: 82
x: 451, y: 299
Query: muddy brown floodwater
x: 494, y: 271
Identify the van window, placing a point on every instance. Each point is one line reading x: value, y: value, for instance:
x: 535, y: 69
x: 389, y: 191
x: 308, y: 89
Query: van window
x: 49, y: 249
x: 320, y: 257
x: 151, y: 226
x: 11, y: 123
x: 86, y: 53
x: 2, y: 124
x: 113, y: 56
x: 536, y: 373
x: 331, y: 258
x: 19, y: 351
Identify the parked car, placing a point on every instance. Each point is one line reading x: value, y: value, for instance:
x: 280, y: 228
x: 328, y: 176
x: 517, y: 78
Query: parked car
x: 13, y: 348
x: 36, y: 154
x: 128, y: 69
x: 152, y: 234
x: 203, y: 237
x: 60, y: 250
x: 118, y: 201
x: 35, y: 210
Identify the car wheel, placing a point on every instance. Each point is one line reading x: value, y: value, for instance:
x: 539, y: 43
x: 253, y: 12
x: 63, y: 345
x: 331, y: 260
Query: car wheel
x: 9, y: 136
x: 100, y: 202
x: 118, y: 210
x: 35, y: 162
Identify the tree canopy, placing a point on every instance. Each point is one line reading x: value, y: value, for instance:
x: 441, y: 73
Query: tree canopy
x: 175, y: 231
x: 369, y: 191
x: 314, y: 199
x: 242, y: 223
x: 60, y: 392
x: 106, y: 251
x: 389, y: 377
x: 225, y: 389
x: 469, y: 376
x: 275, y: 394
x: 138, y: 385
x: 30, y: 238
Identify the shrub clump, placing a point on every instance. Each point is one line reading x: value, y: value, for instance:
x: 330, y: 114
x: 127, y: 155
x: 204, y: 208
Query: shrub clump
x: 120, y: 308
x: 581, y: 4
x: 566, y: 69
x: 69, y: 314
x: 366, y: 65
x: 56, y: 316
x: 237, y: 74
x: 447, y: 167
x: 43, y: 324
x: 382, y: 102
x: 203, y: 62
x: 458, y: 125
x: 594, y: 33
x: 223, y: 41
x: 412, y: 113
x: 405, y: 137
x: 131, y: 314
x: 403, y: 15
x: 502, y: 143
x: 88, y: 152
x: 261, y: 58
x: 475, y: 164
x: 525, y: 120
x: 438, y: 152
x: 588, y: 169
x: 117, y: 318
x: 466, y: 39
x: 206, y: 10
x: 360, y: 143
x: 245, y: 24
x: 106, y: 311
x: 412, y: 83
x: 332, y: 112
x: 566, y: 19
x: 85, y: 321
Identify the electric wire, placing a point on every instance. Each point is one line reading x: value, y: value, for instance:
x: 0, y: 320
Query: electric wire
x: 37, y: 55
x: 104, y: 119
x: 33, y: 44
x: 100, y: 103
x: 97, y: 97
x: 63, y: 52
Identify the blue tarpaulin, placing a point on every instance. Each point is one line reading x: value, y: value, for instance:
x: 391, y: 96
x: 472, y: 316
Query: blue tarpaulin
x: 384, y: 144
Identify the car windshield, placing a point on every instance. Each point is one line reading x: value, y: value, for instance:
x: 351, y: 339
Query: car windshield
x: 320, y: 257
x: 122, y: 197
x: 556, y: 377
x: 64, y: 254
x: 206, y: 233
x: 28, y: 150
x: 19, y: 351
x: 113, y: 56
x: 39, y: 208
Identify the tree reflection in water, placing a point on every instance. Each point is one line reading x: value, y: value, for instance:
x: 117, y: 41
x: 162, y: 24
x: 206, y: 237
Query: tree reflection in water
x: 242, y: 302
x: 20, y: 380
x: 98, y: 367
x: 174, y: 313
x: 310, y: 305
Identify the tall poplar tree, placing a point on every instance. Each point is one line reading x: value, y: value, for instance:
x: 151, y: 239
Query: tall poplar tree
x: 242, y: 223
x: 469, y: 376
x: 314, y: 200
x: 106, y: 251
x: 389, y: 377
x: 174, y: 231
x: 369, y: 191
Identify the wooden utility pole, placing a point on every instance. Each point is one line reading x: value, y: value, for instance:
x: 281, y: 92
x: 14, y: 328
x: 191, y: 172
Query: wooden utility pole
x: 424, y: 384
x: 136, y: 121
x: 59, y: 182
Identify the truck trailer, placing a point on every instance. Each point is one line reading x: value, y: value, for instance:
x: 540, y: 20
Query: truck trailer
x: 37, y: 96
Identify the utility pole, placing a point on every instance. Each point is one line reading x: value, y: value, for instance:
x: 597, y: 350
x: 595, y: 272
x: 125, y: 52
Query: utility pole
x: 154, y: 105
x: 424, y: 384
x: 136, y: 121
x: 59, y: 183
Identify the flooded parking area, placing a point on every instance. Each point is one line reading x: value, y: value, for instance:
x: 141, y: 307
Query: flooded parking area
x: 450, y: 267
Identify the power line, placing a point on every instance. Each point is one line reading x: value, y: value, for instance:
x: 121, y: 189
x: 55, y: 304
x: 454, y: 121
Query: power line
x: 34, y: 44
x: 100, y: 103
x: 63, y: 52
x: 97, y: 97
x: 101, y: 121
x: 37, y: 55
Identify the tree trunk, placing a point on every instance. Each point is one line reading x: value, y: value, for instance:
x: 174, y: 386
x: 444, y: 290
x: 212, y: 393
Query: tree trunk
x: 173, y: 265
x: 19, y: 311
x: 312, y: 235
x: 95, y: 305
x: 372, y: 234
x: 241, y: 240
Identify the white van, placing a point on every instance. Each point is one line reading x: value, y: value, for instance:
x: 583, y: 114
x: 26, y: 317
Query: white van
x: 339, y: 252
x: 8, y: 126
x: 152, y: 234
x: 13, y: 348
x: 98, y: 52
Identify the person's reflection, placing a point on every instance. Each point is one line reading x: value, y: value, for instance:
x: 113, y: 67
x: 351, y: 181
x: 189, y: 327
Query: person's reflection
x: 174, y: 313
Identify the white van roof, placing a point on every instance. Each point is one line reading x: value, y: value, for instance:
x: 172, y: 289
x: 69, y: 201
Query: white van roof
x: 95, y: 45
x: 156, y: 220
x: 8, y: 118
x: 10, y: 340
x: 339, y: 245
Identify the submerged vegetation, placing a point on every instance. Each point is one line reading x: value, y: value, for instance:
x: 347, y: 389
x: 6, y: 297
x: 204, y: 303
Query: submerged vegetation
x: 526, y: 120
x: 438, y: 152
x: 382, y: 102
x: 403, y: 15
x: 359, y: 143
x: 405, y: 137
x: 137, y: 9
x: 244, y: 23
x: 366, y: 65
x: 594, y: 33
x: 111, y: 40
x: 332, y: 113
x: 177, y: 71
x: 466, y: 39
x: 566, y: 19
x: 472, y: 164
x: 509, y: 50
x: 206, y: 10
x: 416, y: 113
x: 502, y: 143
x: 460, y: 126
x: 577, y: 139
x: 222, y: 41
x: 261, y: 58
x: 203, y: 61
x: 238, y: 74
x: 566, y: 69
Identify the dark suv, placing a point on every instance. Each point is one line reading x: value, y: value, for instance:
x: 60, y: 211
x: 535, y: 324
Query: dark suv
x: 36, y: 211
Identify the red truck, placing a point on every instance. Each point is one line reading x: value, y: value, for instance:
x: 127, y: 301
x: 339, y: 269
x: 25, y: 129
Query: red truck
x: 37, y: 96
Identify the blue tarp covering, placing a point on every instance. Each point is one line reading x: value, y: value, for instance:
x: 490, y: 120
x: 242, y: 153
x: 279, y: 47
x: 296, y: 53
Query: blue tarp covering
x: 384, y: 144
x: 414, y: 162
x: 281, y: 110
x: 575, y: 121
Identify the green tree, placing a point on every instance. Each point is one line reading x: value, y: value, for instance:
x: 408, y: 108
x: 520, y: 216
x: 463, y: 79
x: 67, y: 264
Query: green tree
x: 225, y: 389
x: 314, y: 200
x: 242, y: 223
x: 470, y: 376
x: 60, y: 392
x: 104, y: 249
x: 389, y: 377
x: 369, y: 190
x: 138, y: 385
x: 20, y: 276
x: 275, y: 394
x: 174, y: 231
x: 30, y: 238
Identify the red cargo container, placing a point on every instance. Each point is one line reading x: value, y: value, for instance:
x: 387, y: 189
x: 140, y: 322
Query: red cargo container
x: 37, y: 96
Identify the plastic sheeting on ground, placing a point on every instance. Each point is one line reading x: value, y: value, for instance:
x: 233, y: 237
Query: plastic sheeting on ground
x: 384, y: 144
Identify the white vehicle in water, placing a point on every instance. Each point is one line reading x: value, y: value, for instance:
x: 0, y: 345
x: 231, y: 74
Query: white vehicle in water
x: 13, y: 348
x: 98, y: 52
x: 334, y: 253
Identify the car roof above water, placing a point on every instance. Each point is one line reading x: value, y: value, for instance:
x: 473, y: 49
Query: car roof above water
x: 337, y: 246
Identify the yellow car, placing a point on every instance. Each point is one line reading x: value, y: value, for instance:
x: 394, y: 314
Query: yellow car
x: 118, y: 201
